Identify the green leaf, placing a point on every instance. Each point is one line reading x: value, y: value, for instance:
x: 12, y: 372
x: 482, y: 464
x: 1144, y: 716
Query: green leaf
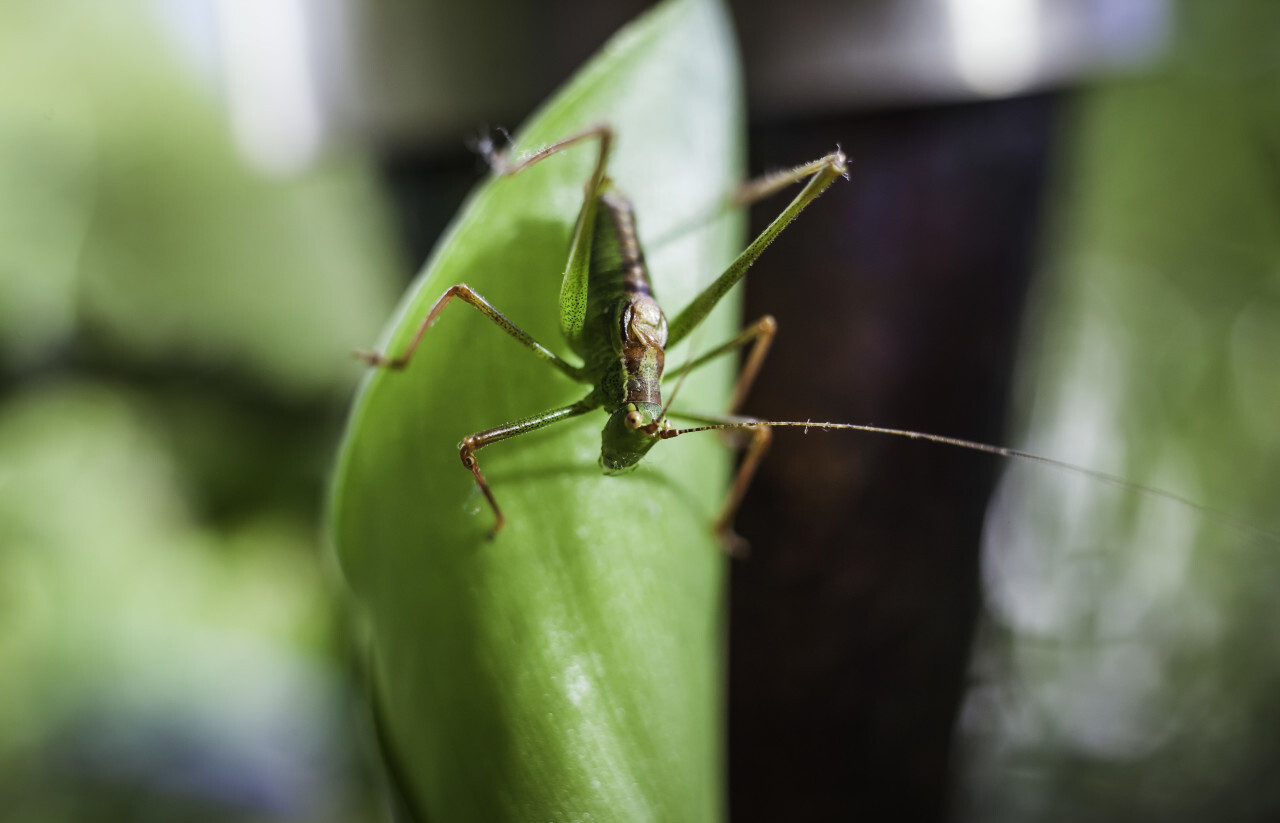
x: 572, y: 666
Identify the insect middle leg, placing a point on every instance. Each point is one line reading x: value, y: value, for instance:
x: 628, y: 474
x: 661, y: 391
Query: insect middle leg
x: 761, y: 435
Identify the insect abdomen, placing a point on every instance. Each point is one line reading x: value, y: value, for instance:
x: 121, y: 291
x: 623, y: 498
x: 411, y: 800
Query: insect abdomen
x: 617, y: 261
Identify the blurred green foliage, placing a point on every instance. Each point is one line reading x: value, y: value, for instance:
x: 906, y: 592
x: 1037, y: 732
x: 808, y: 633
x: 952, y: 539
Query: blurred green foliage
x: 130, y: 219
x: 174, y: 331
x: 174, y: 338
x: 1130, y: 664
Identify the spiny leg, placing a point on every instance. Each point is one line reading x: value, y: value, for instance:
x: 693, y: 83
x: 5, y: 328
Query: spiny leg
x: 579, y: 259
x: 474, y: 442
x: 758, y: 189
x: 822, y: 173
x: 573, y: 289
x: 466, y: 294
x: 761, y: 435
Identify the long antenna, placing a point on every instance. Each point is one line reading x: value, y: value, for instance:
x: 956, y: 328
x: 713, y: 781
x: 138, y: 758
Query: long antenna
x: 986, y: 448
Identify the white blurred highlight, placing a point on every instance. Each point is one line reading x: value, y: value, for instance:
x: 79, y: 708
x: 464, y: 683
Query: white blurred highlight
x: 995, y: 44
x: 275, y: 112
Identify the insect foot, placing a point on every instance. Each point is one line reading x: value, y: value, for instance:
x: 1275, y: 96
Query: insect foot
x: 733, y: 544
x: 466, y: 450
x: 377, y: 360
x: 487, y: 148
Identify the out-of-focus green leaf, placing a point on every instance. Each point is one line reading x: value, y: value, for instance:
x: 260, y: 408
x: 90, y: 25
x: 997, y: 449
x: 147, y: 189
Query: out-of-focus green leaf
x: 572, y: 666
x: 165, y: 639
x: 131, y: 223
x: 145, y: 653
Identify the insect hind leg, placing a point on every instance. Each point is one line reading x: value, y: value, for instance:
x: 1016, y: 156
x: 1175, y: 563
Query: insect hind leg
x: 820, y: 173
x: 760, y: 435
x: 502, y: 165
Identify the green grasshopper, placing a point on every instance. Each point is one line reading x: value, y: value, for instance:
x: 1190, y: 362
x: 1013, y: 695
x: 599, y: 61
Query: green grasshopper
x: 613, y: 322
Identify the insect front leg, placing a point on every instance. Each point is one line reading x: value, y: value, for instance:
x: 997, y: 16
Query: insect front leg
x: 474, y: 442
x: 466, y: 294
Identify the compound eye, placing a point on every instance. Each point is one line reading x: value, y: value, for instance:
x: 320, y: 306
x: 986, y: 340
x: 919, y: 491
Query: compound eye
x: 634, y: 419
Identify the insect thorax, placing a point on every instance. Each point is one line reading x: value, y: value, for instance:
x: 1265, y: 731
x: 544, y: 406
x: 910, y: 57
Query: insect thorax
x: 626, y: 318
x: 643, y: 331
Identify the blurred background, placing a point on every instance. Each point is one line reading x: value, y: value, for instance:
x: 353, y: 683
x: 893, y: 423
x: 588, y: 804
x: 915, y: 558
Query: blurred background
x: 1062, y: 232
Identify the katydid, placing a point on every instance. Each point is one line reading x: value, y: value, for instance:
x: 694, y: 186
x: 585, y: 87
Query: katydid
x: 611, y: 319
